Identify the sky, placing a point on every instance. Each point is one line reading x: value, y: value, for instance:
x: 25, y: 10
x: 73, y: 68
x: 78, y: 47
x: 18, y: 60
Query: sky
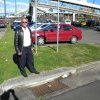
x: 24, y: 4
x: 10, y: 5
x: 95, y: 1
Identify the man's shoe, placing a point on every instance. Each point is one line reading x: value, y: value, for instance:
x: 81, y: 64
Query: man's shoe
x: 36, y: 72
x: 24, y: 74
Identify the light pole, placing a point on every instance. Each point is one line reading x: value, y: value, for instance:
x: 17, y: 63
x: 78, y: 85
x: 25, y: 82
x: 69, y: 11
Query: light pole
x: 58, y: 26
x: 5, y: 8
x: 36, y: 4
x: 15, y: 7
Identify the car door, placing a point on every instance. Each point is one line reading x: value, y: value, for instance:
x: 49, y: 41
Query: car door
x: 66, y: 32
x: 51, y: 33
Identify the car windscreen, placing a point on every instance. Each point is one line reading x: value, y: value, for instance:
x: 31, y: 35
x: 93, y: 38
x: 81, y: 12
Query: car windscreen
x: 49, y: 26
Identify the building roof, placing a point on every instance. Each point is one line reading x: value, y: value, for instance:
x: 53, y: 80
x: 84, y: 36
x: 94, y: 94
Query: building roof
x: 82, y: 3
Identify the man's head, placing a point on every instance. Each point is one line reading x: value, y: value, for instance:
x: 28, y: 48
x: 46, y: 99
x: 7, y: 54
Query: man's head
x: 24, y: 22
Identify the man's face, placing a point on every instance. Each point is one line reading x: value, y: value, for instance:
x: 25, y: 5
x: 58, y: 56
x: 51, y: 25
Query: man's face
x: 24, y: 23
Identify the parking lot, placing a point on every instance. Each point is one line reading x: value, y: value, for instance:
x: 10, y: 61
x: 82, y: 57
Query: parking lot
x: 89, y: 35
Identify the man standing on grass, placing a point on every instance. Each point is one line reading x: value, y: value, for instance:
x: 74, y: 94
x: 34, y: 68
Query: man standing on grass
x: 23, y: 47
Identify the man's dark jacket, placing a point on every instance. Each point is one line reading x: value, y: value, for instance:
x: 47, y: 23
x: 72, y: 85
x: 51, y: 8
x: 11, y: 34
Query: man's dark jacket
x: 18, y: 39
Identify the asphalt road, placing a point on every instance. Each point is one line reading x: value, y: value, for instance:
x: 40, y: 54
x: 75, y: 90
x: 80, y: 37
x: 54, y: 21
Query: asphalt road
x: 84, y: 85
x: 90, y: 36
x: 87, y: 92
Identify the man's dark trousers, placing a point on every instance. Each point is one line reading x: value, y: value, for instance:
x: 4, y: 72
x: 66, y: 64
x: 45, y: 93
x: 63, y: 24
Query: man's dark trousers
x: 26, y: 59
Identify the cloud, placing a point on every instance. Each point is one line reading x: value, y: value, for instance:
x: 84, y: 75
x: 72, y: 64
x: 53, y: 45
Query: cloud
x: 2, y: 2
x: 24, y: 4
x: 10, y: 6
x: 13, y: 3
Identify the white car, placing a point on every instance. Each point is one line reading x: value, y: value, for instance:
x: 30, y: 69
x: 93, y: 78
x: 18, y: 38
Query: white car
x: 34, y: 26
x: 38, y: 26
x: 67, y: 21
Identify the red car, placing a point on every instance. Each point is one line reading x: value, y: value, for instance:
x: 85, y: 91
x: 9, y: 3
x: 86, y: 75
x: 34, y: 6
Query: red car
x: 49, y: 34
x: 3, y: 24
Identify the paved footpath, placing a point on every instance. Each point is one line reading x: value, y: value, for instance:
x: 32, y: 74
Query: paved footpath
x: 20, y: 88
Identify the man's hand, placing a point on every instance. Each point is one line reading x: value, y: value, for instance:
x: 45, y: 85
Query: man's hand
x: 33, y: 49
x: 19, y: 53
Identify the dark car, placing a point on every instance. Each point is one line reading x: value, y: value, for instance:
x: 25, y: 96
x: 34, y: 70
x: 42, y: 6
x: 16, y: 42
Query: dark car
x: 97, y: 28
x: 3, y: 24
x: 15, y: 24
x: 49, y: 34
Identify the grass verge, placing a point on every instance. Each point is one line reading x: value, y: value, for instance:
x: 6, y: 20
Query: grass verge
x: 69, y: 55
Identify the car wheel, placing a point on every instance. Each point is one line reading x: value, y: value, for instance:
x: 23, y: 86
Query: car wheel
x: 40, y: 41
x: 73, y: 40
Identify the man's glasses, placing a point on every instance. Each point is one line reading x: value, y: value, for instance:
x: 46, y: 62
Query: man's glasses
x: 24, y: 22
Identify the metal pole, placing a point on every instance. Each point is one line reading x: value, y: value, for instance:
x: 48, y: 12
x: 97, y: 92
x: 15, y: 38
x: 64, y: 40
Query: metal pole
x: 15, y: 7
x: 36, y: 25
x: 58, y: 27
x: 5, y: 8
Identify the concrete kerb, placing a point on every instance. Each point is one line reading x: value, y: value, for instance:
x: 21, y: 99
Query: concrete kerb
x: 44, y: 77
x: 80, y: 69
x: 35, y: 80
x: 88, y: 66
